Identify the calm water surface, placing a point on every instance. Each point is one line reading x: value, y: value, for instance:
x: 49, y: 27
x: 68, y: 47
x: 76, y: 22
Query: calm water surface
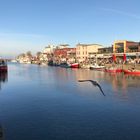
x: 47, y: 103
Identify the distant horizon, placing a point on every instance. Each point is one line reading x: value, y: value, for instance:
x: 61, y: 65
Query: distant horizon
x: 32, y: 25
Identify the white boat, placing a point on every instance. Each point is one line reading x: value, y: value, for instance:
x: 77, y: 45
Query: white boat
x: 85, y: 66
x: 44, y: 64
x: 97, y: 67
x: 13, y: 61
x: 28, y: 62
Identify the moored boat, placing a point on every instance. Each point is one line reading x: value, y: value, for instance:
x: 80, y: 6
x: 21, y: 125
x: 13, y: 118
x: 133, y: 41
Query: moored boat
x: 132, y: 72
x: 65, y: 65
x: 14, y: 61
x: 3, y: 66
x: 85, y: 66
x: 97, y: 67
x: 74, y: 65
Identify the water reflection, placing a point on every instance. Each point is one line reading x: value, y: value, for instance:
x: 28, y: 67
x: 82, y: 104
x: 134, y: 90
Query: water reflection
x: 3, y: 78
x: 122, y: 81
x: 53, y: 100
x: 119, y: 81
x: 1, y: 133
x: 61, y: 76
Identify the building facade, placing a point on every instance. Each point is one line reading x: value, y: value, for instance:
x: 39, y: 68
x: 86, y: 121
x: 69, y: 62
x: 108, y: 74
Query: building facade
x: 65, y: 54
x: 124, y: 46
x: 105, y: 50
x: 86, y: 51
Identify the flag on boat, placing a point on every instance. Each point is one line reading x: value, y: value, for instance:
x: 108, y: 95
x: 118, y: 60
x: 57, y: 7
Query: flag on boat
x: 124, y: 57
x: 114, y: 57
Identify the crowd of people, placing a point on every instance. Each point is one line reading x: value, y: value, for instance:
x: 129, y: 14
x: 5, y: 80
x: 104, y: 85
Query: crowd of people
x: 104, y: 61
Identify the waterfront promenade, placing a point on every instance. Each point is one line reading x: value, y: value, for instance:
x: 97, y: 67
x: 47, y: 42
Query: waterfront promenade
x: 126, y: 66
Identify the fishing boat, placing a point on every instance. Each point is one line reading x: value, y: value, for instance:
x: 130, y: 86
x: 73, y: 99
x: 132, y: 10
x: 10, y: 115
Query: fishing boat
x: 74, y: 65
x: 14, y: 61
x: 97, y: 67
x: 65, y: 65
x: 3, y: 65
x: 132, y: 71
x: 85, y: 66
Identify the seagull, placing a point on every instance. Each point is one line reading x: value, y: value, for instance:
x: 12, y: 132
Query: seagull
x: 94, y: 83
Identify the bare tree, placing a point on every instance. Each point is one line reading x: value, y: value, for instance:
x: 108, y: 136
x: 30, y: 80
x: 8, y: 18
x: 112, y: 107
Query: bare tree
x: 29, y: 54
x: 38, y: 54
x: 21, y: 55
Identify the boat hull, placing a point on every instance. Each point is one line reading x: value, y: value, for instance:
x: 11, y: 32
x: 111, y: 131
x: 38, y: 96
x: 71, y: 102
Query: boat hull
x: 131, y: 72
x: 3, y: 68
x: 74, y: 65
x: 97, y: 68
x: 65, y: 65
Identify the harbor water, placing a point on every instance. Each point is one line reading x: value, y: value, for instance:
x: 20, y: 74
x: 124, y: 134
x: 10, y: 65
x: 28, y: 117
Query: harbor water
x: 48, y: 103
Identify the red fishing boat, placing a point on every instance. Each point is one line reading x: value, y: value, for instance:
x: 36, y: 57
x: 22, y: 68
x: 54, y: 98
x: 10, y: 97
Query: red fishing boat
x: 132, y: 72
x: 74, y: 65
x: 3, y: 66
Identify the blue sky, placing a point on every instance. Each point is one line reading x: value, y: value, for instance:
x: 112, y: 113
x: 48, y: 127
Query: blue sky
x: 30, y: 25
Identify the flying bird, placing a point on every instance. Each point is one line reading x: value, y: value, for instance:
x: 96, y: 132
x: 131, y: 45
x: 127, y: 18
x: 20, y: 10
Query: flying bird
x: 94, y: 83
